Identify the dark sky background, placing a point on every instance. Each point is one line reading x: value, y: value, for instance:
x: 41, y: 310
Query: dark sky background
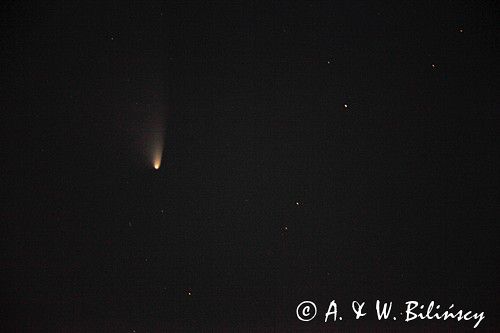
x: 271, y: 190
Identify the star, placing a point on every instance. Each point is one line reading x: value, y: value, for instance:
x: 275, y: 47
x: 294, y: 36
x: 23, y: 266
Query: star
x: 345, y: 106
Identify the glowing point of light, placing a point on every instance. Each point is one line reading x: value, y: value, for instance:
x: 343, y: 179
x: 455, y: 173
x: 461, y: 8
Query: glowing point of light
x: 157, y: 155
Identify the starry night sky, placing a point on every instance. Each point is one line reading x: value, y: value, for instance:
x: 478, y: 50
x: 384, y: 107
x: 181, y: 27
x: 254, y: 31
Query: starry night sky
x: 312, y: 150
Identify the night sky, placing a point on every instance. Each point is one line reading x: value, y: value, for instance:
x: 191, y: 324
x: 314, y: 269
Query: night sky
x: 309, y: 150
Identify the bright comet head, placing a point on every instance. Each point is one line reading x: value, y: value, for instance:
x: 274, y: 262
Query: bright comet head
x: 157, y: 164
x: 157, y: 157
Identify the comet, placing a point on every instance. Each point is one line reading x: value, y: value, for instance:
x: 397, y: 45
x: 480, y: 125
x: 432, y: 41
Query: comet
x: 157, y: 147
x: 149, y: 122
x: 157, y: 154
x: 155, y: 139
